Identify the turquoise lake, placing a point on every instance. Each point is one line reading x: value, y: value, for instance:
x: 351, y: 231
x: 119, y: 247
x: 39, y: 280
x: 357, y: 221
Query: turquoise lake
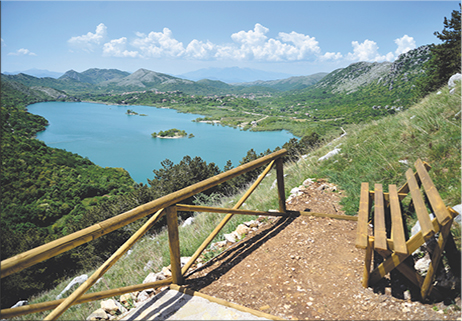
x: 111, y: 138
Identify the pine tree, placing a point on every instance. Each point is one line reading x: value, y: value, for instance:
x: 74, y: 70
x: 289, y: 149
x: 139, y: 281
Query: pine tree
x: 446, y: 57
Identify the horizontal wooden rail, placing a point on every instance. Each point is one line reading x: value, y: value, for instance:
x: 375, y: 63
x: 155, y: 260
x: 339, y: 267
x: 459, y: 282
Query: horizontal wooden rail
x: 44, y: 306
x: 209, y: 209
x: 51, y: 249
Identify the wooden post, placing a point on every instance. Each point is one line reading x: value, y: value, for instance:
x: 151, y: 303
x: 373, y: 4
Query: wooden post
x: 217, y: 229
x: 174, y: 244
x: 436, y: 257
x: 367, y: 261
x: 280, y: 179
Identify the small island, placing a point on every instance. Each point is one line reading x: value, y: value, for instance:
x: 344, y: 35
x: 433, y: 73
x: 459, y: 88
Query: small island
x: 171, y: 133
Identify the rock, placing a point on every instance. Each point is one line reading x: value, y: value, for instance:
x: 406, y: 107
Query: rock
x: 458, y: 209
x: 231, y: 237
x: 184, y: 260
x: 188, y: 221
x: 422, y: 265
x: 126, y: 299
x: 388, y: 291
x: 295, y: 190
x: 142, y: 296
x: 166, y: 272
x: 122, y: 309
x: 453, y: 79
x: 407, y: 295
x: 20, y: 304
x: 251, y: 224
x: 329, y: 154
x: 99, y: 314
x: 308, y: 181
x: 218, y: 245
x: 242, y: 230
x: 78, y: 280
x: 109, y: 306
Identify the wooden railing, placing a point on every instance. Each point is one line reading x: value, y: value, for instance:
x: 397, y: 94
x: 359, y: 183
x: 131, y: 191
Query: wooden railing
x: 166, y: 205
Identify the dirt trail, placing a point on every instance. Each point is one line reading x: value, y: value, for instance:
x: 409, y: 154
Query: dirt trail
x: 309, y: 268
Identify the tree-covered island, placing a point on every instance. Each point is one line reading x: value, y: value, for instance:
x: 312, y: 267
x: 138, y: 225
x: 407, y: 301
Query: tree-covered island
x: 171, y: 133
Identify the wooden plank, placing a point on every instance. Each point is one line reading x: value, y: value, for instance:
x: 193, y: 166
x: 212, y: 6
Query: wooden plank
x: 174, y: 244
x: 51, y: 249
x: 368, y: 261
x: 436, y: 257
x: 438, y: 206
x: 280, y: 182
x: 225, y: 220
x: 44, y: 306
x: 380, y: 232
x: 419, y: 206
x: 363, y: 217
x: 69, y: 301
x: 405, y: 188
x: 399, y: 240
x: 224, y: 303
x: 395, y: 259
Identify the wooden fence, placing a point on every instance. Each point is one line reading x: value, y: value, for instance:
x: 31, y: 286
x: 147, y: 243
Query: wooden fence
x: 166, y: 205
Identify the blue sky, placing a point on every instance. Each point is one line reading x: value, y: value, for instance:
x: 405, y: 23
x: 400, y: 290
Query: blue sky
x: 174, y: 37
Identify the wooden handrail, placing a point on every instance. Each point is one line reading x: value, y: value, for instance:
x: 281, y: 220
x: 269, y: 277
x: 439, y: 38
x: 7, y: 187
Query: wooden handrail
x: 51, y: 249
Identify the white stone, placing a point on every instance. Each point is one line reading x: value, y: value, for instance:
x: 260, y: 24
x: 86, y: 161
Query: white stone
x: 453, y: 79
x: 308, y: 181
x: 458, y: 209
x: 184, y: 260
x: 242, y: 230
x: 99, y: 314
x: 231, y: 237
x: 329, y: 154
x: 78, y: 280
x: 422, y: 265
x: 143, y: 296
x: 166, y: 271
x: 251, y: 224
x: 109, y: 306
x: 20, y: 304
x: 188, y: 221
x: 295, y: 190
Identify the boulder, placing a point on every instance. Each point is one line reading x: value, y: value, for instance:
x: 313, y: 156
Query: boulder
x: 188, y: 221
x: 20, y: 304
x: 453, y: 79
x: 109, y: 306
x: 99, y: 314
x: 126, y: 298
x: 166, y: 272
x: 142, y: 296
x: 242, y: 230
x: 329, y: 154
x: 231, y: 237
x: 78, y: 280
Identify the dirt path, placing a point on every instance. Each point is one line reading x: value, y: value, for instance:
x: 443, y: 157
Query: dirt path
x: 309, y: 268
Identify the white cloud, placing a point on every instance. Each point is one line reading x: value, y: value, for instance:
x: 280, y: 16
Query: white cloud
x: 3, y: 43
x: 405, y: 44
x: 200, y: 50
x: 368, y: 51
x: 22, y: 52
x: 88, y: 41
x: 117, y: 48
x: 331, y: 56
x: 158, y: 44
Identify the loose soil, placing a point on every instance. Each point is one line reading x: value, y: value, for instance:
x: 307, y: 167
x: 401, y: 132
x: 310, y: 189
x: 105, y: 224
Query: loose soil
x: 309, y: 268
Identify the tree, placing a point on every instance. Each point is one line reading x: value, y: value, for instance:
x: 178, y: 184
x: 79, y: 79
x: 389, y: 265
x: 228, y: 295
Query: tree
x: 446, y: 56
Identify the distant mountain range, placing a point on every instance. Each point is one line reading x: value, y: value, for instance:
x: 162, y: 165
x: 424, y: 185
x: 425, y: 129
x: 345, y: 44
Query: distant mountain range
x: 233, y: 75
x: 358, y: 76
x: 39, y: 73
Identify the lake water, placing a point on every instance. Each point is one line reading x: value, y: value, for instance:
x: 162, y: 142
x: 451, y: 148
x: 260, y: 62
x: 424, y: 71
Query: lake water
x: 111, y: 138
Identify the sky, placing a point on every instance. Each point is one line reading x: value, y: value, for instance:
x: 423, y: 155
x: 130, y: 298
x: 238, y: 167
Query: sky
x: 175, y: 37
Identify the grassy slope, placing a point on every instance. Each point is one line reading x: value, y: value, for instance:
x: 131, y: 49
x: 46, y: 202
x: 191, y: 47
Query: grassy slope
x: 430, y: 130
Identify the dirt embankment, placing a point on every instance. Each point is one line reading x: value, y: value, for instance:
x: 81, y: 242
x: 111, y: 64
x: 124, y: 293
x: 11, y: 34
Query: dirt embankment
x: 309, y: 268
